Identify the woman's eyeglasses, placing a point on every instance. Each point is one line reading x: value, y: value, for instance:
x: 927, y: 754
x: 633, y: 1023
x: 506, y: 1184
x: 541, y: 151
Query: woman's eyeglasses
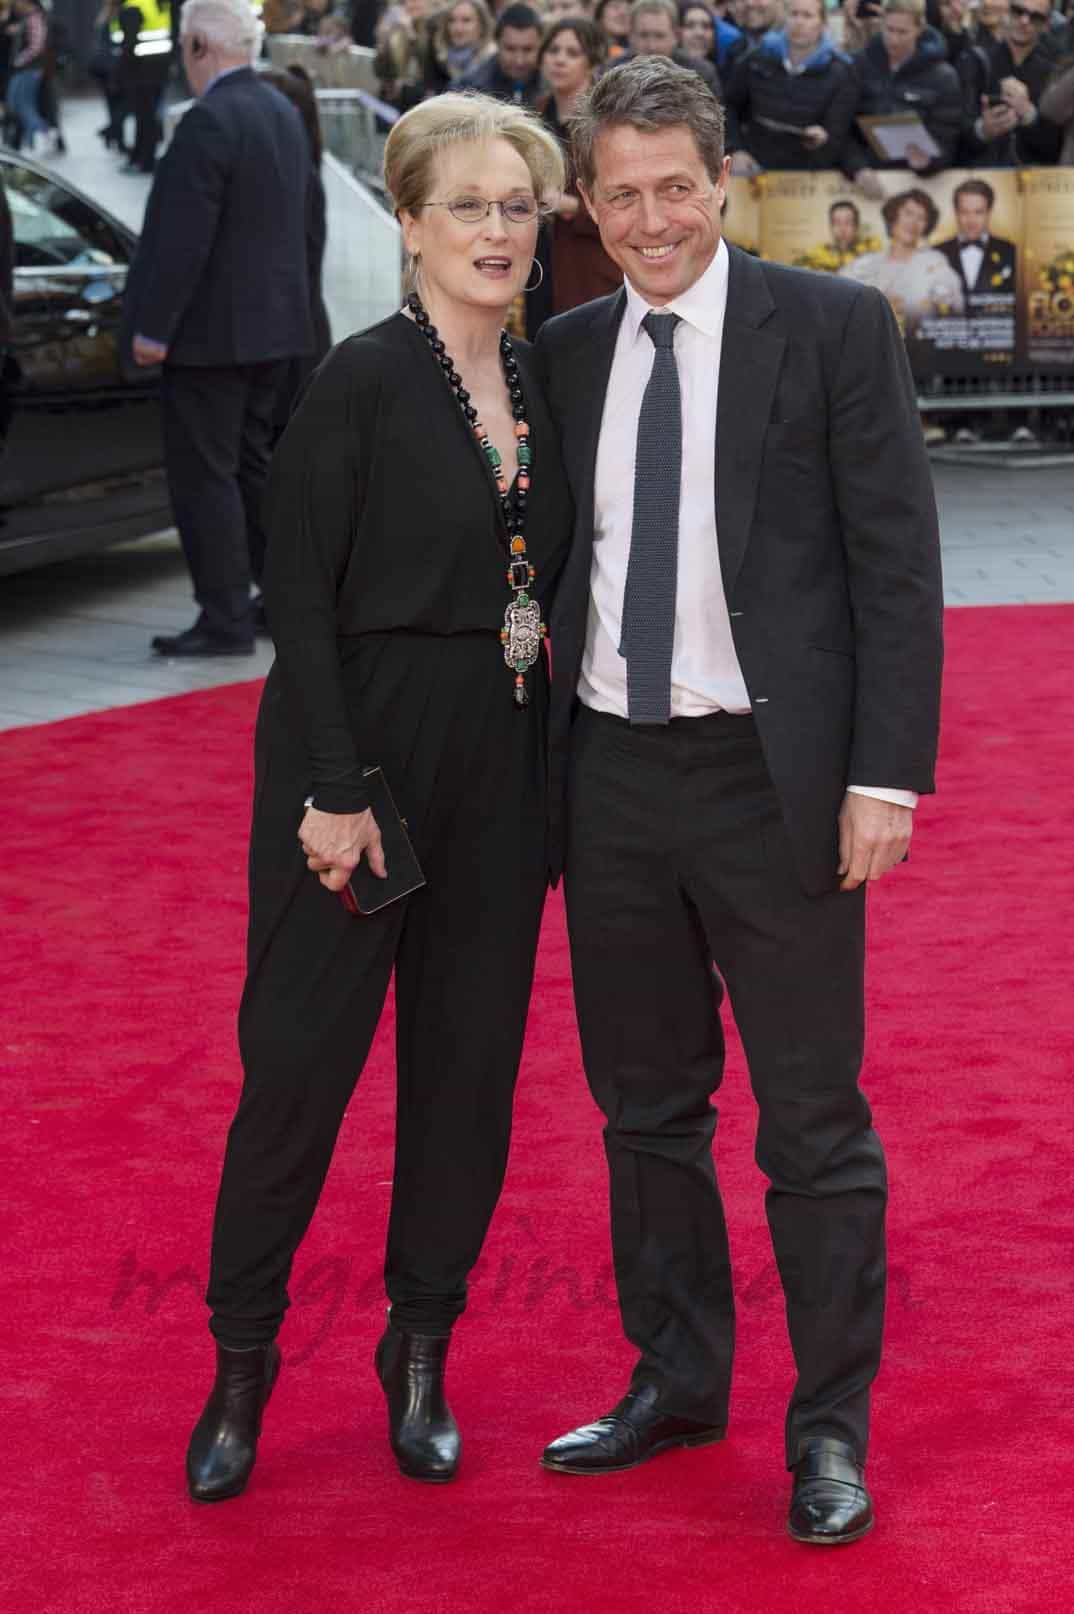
x: 475, y: 210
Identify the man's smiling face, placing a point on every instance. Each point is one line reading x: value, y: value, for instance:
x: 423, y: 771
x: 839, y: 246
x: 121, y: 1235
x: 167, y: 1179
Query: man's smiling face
x: 657, y: 209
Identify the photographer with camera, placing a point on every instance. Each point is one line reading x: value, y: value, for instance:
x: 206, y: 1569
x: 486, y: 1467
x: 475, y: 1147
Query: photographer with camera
x: 1008, y: 131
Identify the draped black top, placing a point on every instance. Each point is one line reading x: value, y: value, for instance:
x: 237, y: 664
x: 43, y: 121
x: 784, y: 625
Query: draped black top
x: 383, y: 517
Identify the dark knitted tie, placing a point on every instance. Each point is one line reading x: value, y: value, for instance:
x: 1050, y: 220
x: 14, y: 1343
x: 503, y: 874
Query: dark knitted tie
x: 649, y: 597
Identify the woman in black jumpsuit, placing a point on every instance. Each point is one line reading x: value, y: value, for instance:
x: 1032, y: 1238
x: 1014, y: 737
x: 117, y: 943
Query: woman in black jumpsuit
x: 385, y: 588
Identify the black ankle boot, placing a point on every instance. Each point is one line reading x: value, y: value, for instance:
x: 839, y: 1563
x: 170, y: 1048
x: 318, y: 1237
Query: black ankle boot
x: 220, y: 1458
x: 423, y: 1434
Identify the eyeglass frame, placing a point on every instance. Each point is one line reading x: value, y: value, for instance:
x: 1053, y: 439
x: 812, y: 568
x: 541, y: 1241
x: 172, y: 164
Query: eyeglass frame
x: 1037, y: 18
x: 488, y: 206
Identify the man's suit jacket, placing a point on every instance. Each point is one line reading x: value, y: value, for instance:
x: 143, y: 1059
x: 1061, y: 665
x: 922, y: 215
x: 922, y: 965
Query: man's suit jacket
x: 221, y: 274
x: 828, y: 539
x: 997, y: 272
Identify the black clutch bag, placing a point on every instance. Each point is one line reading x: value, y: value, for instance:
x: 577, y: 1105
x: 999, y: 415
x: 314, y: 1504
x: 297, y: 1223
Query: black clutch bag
x: 364, y: 892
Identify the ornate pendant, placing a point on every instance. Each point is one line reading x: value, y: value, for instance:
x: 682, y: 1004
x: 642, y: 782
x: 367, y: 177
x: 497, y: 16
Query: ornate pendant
x: 521, y: 638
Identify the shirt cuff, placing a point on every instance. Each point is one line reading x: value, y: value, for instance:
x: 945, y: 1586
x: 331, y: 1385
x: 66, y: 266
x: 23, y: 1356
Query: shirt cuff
x: 898, y: 798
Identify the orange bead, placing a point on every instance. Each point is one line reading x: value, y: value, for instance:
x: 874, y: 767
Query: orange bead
x: 523, y: 480
x: 518, y: 546
x: 521, y: 429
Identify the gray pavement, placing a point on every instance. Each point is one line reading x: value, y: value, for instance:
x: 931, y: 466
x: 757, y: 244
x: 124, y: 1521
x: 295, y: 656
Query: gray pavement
x: 75, y: 637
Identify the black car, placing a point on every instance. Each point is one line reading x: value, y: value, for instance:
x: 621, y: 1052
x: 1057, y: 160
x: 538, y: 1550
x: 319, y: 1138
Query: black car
x: 80, y: 461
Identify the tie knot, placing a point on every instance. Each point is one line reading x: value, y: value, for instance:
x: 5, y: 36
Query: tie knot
x: 660, y: 328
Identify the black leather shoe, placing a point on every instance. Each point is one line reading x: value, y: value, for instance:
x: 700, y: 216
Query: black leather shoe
x: 829, y: 1504
x: 220, y: 1458
x: 423, y: 1434
x: 198, y: 641
x: 633, y: 1431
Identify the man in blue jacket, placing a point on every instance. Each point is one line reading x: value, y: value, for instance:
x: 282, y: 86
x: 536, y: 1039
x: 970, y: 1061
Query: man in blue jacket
x: 218, y: 295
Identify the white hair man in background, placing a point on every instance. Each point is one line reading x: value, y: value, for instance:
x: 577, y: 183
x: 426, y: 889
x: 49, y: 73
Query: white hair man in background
x: 218, y: 295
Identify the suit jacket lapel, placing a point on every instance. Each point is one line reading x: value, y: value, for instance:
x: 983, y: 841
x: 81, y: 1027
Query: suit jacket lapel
x: 750, y: 361
x: 583, y: 416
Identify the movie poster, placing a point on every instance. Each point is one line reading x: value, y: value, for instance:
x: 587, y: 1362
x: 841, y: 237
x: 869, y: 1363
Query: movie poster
x: 741, y: 214
x: 942, y: 250
x: 1047, y: 284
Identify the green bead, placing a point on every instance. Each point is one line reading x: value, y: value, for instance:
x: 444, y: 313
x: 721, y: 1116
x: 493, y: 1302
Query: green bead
x: 494, y: 457
x: 524, y: 455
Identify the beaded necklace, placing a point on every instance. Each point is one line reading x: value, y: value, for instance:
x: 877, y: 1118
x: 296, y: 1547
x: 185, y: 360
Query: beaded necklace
x: 523, y: 629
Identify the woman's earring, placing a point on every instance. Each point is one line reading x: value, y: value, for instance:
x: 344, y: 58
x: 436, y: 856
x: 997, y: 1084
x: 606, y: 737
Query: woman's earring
x: 540, y: 267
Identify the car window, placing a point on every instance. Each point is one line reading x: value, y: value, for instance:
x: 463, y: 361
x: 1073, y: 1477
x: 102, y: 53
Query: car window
x: 54, y: 229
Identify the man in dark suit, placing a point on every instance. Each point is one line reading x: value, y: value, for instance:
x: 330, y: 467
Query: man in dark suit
x: 747, y: 649
x: 984, y: 262
x: 218, y: 294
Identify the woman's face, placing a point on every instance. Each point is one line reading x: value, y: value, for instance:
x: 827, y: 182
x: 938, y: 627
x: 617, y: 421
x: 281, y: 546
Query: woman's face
x: 473, y: 266
x: 615, y: 19
x: 463, y: 26
x: 908, y: 225
x: 698, y: 32
x: 565, y: 64
x: 415, y: 9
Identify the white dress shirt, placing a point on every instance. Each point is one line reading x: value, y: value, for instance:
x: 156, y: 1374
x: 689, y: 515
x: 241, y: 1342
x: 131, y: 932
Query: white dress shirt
x: 971, y: 254
x: 705, y: 672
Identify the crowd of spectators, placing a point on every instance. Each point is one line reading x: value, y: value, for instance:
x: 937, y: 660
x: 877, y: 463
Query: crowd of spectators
x: 992, y: 81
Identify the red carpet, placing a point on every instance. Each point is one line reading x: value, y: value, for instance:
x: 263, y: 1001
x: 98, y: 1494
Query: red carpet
x: 124, y: 909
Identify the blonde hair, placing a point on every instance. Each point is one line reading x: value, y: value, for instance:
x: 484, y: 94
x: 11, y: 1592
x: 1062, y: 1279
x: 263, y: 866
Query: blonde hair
x: 434, y: 126
x: 906, y: 8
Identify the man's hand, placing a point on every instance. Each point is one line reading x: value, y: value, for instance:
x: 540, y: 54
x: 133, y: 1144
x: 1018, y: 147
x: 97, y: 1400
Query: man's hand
x: 996, y: 120
x: 874, y: 835
x: 870, y: 185
x: 147, y: 352
x: 814, y: 135
x: 335, y: 842
x: 1017, y: 97
x: 918, y: 160
x: 742, y: 163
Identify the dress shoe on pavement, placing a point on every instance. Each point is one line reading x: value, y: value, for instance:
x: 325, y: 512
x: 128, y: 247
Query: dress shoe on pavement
x: 198, y: 641
x: 632, y: 1432
x: 220, y: 1458
x: 829, y: 1504
x: 423, y: 1434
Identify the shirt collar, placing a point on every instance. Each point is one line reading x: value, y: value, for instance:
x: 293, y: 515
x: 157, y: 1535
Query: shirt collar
x: 701, y: 305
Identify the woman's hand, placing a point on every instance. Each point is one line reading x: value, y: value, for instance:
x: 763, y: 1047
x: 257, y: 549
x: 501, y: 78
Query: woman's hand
x: 335, y: 842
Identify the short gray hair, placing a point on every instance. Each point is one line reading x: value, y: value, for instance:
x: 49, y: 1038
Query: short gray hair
x: 647, y: 93
x: 228, y: 25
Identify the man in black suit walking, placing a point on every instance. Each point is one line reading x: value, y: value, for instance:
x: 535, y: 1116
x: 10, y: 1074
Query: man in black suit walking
x: 218, y: 295
x: 748, y: 648
x: 985, y: 263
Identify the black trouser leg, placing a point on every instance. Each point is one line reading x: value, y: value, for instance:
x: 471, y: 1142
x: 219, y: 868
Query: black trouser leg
x: 205, y: 415
x: 463, y: 979
x: 308, y: 1017
x: 255, y: 454
x: 680, y: 828
x: 794, y: 967
x: 647, y: 1000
